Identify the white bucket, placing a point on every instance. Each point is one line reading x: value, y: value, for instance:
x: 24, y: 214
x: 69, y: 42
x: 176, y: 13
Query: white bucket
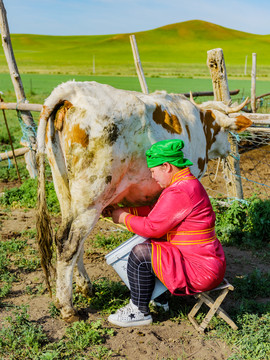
x: 118, y: 260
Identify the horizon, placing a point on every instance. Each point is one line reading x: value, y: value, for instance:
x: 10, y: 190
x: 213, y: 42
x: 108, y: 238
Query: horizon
x: 127, y: 33
x: 112, y: 17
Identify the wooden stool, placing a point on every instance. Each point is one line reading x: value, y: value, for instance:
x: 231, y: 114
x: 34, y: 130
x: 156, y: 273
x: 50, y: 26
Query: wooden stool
x: 214, y: 306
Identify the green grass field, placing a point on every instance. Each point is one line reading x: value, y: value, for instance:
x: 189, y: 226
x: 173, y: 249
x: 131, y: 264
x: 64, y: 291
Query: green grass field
x: 177, y: 50
x: 39, y: 86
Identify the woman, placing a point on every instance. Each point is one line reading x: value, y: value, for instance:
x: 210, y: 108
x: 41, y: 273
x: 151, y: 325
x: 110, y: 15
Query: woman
x: 182, y: 249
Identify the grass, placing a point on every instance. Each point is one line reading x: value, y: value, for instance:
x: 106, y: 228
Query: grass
x: 251, y: 314
x: 21, y: 338
x: 26, y: 196
x: 177, y: 50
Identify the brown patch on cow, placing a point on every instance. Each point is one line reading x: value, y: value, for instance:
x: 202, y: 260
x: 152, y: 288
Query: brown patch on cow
x: 201, y: 164
x: 46, y: 133
x: 188, y: 132
x: 169, y: 122
x: 242, y: 123
x: 60, y: 115
x: 76, y: 134
x: 210, y: 128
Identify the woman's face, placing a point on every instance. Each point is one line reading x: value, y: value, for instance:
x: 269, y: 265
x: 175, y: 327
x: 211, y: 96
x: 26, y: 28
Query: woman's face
x: 161, y: 174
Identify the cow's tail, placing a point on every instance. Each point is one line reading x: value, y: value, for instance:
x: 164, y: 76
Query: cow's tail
x: 43, y: 223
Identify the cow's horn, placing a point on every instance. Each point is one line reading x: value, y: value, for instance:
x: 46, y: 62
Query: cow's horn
x: 192, y: 100
x: 237, y: 107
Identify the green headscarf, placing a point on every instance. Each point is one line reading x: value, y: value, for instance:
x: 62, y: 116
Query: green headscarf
x: 167, y: 151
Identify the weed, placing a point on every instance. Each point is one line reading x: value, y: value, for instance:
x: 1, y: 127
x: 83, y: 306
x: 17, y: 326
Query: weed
x: 252, y: 340
x: 26, y: 196
x: 101, y: 352
x: 112, y: 241
x: 20, y: 336
x: 83, y: 334
x: 29, y: 290
x: 26, y: 264
x: 245, y: 225
x: 108, y: 295
x: 252, y: 285
x: 29, y: 233
x: 54, y: 312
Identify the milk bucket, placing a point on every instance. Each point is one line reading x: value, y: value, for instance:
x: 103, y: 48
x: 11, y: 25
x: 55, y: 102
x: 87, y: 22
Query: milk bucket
x: 118, y: 260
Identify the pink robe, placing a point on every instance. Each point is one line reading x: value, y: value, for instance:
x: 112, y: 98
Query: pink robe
x: 187, y: 257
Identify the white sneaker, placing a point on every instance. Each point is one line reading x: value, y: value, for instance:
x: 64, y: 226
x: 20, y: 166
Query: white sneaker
x: 164, y: 307
x: 130, y: 315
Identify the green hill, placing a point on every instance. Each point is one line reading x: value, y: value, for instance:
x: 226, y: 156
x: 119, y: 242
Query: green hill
x: 178, y: 50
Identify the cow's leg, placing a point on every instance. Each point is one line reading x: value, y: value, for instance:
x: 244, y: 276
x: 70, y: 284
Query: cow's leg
x: 68, y: 251
x: 83, y: 283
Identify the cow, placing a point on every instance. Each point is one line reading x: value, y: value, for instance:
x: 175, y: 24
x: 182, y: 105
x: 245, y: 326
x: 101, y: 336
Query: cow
x: 95, y: 138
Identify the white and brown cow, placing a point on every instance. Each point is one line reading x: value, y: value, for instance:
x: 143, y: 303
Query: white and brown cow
x: 95, y: 137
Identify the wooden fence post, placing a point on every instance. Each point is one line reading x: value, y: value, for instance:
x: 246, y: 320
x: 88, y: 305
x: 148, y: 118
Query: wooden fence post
x: 216, y: 64
x: 138, y: 64
x: 30, y: 157
x: 253, y: 83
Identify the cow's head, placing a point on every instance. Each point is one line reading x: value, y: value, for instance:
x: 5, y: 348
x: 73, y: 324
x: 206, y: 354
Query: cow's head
x: 217, y: 123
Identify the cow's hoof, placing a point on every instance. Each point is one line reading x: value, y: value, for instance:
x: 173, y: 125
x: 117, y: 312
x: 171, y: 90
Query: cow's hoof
x: 69, y: 315
x: 86, y: 291
x: 72, y: 318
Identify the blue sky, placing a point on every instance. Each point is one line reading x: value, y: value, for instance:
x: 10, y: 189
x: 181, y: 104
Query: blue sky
x: 99, y: 17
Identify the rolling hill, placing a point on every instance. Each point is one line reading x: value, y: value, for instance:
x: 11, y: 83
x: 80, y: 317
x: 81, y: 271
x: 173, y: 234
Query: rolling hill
x: 178, y: 50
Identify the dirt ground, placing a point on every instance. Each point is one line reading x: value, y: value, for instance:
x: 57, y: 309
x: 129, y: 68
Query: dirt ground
x: 163, y: 340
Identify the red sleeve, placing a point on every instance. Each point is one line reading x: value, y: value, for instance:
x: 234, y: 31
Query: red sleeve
x: 172, y: 207
x: 140, y: 210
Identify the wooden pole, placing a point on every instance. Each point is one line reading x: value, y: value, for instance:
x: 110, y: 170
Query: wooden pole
x: 21, y: 106
x: 30, y: 157
x: 208, y: 93
x: 253, y: 83
x: 216, y: 64
x: 138, y: 64
x: 11, y: 144
x: 17, y: 152
x: 94, y: 65
x: 246, y: 65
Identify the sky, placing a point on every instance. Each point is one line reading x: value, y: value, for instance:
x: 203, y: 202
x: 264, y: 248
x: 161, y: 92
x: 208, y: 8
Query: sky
x: 102, y: 17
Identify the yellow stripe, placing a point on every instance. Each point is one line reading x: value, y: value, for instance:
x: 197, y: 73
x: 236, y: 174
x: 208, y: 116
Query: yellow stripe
x: 182, y: 175
x: 127, y: 221
x: 192, y: 232
x: 193, y: 242
x: 152, y: 256
x: 159, y: 264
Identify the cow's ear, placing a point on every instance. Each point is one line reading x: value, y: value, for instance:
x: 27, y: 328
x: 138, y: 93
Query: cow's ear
x: 242, y: 123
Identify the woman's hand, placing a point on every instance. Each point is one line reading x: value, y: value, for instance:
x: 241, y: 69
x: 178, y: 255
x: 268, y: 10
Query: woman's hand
x: 107, y: 211
x: 118, y: 215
